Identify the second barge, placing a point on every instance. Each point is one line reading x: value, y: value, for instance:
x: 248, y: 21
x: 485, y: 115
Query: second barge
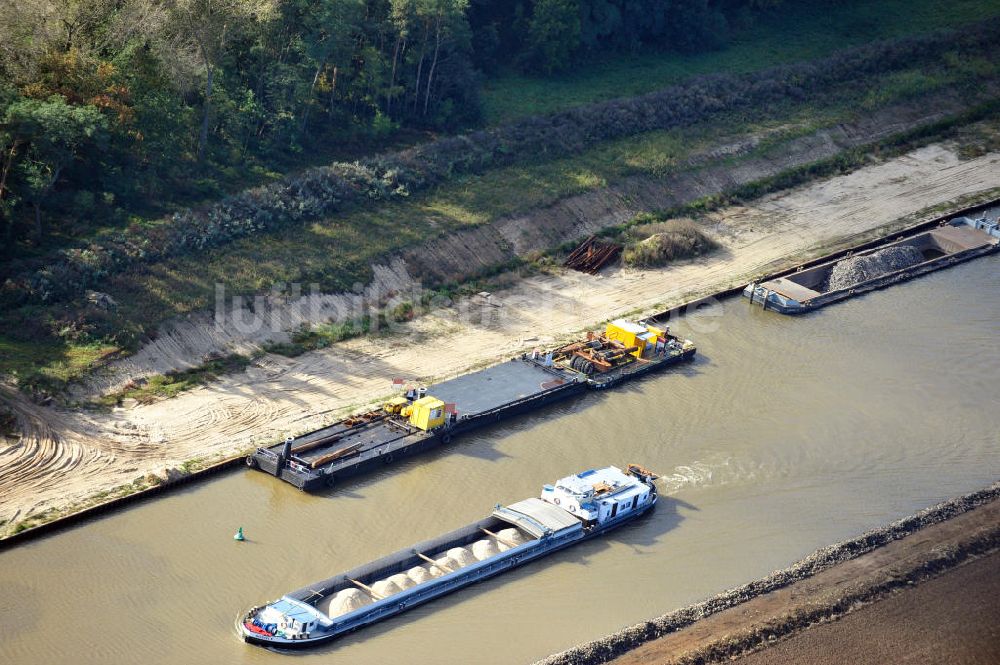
x: 572, y: 510
x: 405, y: 426
x: 954, y: 241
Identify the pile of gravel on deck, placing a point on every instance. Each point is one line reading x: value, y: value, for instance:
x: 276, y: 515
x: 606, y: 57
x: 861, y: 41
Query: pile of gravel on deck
x: 857, y: 269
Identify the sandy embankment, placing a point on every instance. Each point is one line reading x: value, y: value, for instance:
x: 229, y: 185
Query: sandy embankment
x: 67, y: 456
x: 876, y: 572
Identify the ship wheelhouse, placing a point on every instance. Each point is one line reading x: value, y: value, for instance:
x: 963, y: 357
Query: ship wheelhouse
x: 597, y: 496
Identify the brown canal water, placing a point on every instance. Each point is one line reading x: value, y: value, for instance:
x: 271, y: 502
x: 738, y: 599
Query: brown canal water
x: 786, y: 434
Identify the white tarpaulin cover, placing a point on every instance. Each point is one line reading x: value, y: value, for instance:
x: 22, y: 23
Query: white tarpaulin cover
x: 536, y: 516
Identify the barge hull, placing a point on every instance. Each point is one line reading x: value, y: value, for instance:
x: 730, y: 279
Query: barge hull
x: 430, y: 440
x: 473, y: 574
x: 482, y: 398
x: 758, y: 294
x: 955, y: 240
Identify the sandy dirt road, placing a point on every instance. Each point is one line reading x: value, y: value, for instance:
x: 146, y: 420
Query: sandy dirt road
x: 67, y: 456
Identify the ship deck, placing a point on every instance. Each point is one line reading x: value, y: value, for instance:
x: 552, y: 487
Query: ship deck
x: 499, y: 385
x: 496, y: 388
x: 364, y: 439
x: 533, y: 519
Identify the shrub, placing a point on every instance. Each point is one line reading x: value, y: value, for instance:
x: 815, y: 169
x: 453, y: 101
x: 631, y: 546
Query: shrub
x: 8, y: 422
x: 660, y: 243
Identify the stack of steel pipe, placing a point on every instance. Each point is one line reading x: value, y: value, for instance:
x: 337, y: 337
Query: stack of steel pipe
x: 592, y: 255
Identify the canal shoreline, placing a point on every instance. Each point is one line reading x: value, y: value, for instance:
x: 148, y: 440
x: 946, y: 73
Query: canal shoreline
x: 828, y: 583
x: 232, y: 462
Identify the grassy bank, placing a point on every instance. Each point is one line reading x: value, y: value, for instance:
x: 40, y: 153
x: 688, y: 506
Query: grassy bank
x: 794, y: 32
x: 337, y: 253
x: 957, y: 127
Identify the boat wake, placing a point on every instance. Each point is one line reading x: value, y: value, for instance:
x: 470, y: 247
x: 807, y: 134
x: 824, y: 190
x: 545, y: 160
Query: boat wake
x: 714, y: 473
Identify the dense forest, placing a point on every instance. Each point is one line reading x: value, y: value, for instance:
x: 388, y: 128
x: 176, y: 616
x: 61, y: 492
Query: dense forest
x: 106, y: 105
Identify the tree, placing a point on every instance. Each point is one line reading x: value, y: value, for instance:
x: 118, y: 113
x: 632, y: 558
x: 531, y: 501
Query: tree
x: 601, y: 23
x: 208, y: 24
x: 9, y: 145
x: 402, y: 16
x: 329, y: 27
x: 553, y: 34
x: 696, y: 26
x: 53, y: 133
x: 448, y: 20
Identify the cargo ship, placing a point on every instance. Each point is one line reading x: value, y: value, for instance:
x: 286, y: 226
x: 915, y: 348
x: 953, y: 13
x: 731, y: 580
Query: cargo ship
x: 424, y: 418
x: 955, y: 240
x: 571, y: 510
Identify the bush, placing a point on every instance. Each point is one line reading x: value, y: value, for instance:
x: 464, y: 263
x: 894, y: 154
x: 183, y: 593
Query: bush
x: 8, y: 422
x: 161, y: 386
x: 660, y: 243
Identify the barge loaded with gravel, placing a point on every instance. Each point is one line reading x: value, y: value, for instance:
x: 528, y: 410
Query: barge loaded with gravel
x: 422, y: 419
x: 955, y: 240
x: 572, y: 510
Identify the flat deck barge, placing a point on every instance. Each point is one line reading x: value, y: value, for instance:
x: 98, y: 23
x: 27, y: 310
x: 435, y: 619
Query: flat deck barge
x: 573, y: 509
x: 954, y: 241
x: 406, y: 426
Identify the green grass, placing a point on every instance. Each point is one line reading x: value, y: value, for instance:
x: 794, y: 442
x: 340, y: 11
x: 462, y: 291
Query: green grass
x: 337, y: 253
x: 49, y: 364
x: 166, y: 386
x: 901, y: 86
x: 795, y: 32
x: 954, y: 127
x: 206, y: 184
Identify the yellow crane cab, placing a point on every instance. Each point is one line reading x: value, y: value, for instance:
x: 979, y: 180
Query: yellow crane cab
x: 426, y: 413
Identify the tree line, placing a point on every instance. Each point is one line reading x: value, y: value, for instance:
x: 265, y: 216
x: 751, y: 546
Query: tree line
x: 545, y: 36
x: 106, y: 105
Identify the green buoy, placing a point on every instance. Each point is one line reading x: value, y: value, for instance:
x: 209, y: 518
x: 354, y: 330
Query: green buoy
x: 239, y: 535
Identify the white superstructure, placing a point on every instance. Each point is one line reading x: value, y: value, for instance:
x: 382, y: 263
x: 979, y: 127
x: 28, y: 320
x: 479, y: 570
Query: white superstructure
x: 599, y: 495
